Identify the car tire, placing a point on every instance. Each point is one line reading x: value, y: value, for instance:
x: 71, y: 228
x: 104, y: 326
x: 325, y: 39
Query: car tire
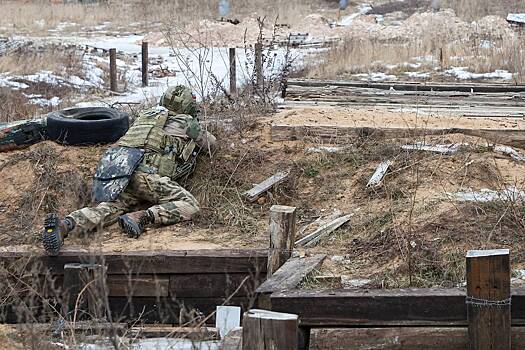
x: 86, y: 126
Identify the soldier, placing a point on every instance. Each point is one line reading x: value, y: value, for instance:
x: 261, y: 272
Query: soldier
x: 159, y: 148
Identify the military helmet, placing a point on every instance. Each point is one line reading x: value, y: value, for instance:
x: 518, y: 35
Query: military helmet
x: 179, y: 99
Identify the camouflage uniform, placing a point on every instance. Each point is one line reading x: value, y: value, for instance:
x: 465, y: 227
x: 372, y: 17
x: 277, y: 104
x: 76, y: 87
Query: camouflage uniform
x: 168, y: 140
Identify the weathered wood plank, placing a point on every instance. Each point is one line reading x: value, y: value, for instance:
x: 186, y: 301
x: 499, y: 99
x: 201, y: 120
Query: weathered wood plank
x: 341, y: 134
x: 259, y: 189
x: 138, y: 286
x: 379, y: 174
x: 213, y: 285
x: 406, y: 338
x: 411, y: 86
x: 323, y: 231
x: 144, y: 262
x: 291, y: 274
x: 392, y: 307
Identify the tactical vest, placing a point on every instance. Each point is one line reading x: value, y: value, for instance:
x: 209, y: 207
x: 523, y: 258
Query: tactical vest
x: 164, y: 154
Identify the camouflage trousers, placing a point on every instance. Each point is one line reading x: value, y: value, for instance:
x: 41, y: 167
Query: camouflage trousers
x: 171, y: 203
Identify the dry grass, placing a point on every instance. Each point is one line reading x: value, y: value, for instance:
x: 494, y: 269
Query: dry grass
x: 358, y: 55
x: 40, y: 15
x: 474, y: 9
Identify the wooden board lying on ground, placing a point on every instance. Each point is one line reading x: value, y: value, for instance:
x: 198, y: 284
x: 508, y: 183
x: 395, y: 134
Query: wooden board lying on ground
x: 407, y: 338
x: 291, y: 274
x: 259, y: 189
x: 342, y: 134
x: 383, y: 307
x: 144, y: 262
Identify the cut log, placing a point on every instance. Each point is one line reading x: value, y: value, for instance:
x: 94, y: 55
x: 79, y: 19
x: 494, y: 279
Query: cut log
x: 406, y: 338
x: 268, y: 330
x: 254, y: 194
x: 291, y: 274
x: 282, y: 236
x: 323, y: 231
x: 379, y: 174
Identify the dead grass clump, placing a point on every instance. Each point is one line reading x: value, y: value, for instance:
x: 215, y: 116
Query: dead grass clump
x: 474, y: 9
x: 15, y: 106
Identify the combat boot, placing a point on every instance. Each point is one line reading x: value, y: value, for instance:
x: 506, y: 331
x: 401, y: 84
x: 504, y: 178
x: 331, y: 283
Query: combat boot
x: 55, y: 231
x: 134, y: 223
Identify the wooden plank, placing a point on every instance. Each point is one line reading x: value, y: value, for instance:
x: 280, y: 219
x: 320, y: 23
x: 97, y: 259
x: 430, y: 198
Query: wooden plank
x: 291, y: 274
x: 213, y: 285
x: 254, y: 194
x: 143, y: 262
x: 379, y: 174
x: 442, y: 149
x: 145, y: 61
x: 281, y: 230
x: 411, y: 86
x: 399, y: 338
x: 323, y: 231
x: 488, y: 299
x: 233, y: 71
x: 113, y: 70
x: 171, y: 310
x: 268, y: 330
x: 138, y: 286
x: 342, y: 134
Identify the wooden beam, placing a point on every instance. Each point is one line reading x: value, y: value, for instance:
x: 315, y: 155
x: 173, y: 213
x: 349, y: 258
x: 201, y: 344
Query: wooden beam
x: 258, y: 190
x: 138, y: 286
x: 488, y: 299
x: 291, y: 274
x: 267, y: 330
x: 259, y: 78
x: 411, y: 86
x: 281, y: 230
x: 143, y: 262
x: 213, y: 285
x: 342, y: 134
x: 85, y: 292
x: 405, y: 338
x: 168, y: 331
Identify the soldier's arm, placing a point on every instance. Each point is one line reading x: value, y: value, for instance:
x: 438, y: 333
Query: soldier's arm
x: 206, y: 141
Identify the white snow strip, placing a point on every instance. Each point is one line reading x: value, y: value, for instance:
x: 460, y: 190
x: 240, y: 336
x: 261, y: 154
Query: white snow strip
x: 486, y: 195
x: 44, y: 102
x: 379, y: 76
x: 462, y: 74
x: 417, y: 74
x: 324, y: 149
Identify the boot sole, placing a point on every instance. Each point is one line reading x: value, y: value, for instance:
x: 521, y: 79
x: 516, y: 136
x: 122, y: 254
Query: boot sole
x: 51, y: 239
x: 129, y: 227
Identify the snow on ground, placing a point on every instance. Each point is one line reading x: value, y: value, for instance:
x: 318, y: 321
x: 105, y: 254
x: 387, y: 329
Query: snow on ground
x: 201, y: 68
x: 462, y: 73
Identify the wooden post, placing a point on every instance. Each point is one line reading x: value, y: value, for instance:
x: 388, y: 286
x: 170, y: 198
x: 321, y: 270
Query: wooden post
x: 282, y: 236
x: 488, y: 299
x: 88, y: 279
x: 145, y: 57
x: 258, y: 66
x: 268, y: 330
x: 233, y: 72
x: 113, y: 69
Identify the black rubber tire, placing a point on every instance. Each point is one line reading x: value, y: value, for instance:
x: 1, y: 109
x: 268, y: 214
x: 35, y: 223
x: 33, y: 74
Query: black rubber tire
x: 86, y: 126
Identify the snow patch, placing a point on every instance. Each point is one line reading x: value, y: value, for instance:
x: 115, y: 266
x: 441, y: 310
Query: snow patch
x: 463, y: 74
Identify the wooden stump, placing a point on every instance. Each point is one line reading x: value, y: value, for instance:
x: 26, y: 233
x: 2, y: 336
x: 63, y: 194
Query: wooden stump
x: 268, y: 330
x: 488, y: 299
x: 282, y: 236
x: 259, y: 66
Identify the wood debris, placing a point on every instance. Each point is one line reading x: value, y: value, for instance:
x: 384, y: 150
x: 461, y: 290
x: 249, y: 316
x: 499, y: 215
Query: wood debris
x: 379, y: 174
x: 254, y: 194
x: 447, y: 149
x: 323, y: 231
x: 510, y: 151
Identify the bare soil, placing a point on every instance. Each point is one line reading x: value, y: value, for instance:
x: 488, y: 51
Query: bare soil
x: 406, y: 232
